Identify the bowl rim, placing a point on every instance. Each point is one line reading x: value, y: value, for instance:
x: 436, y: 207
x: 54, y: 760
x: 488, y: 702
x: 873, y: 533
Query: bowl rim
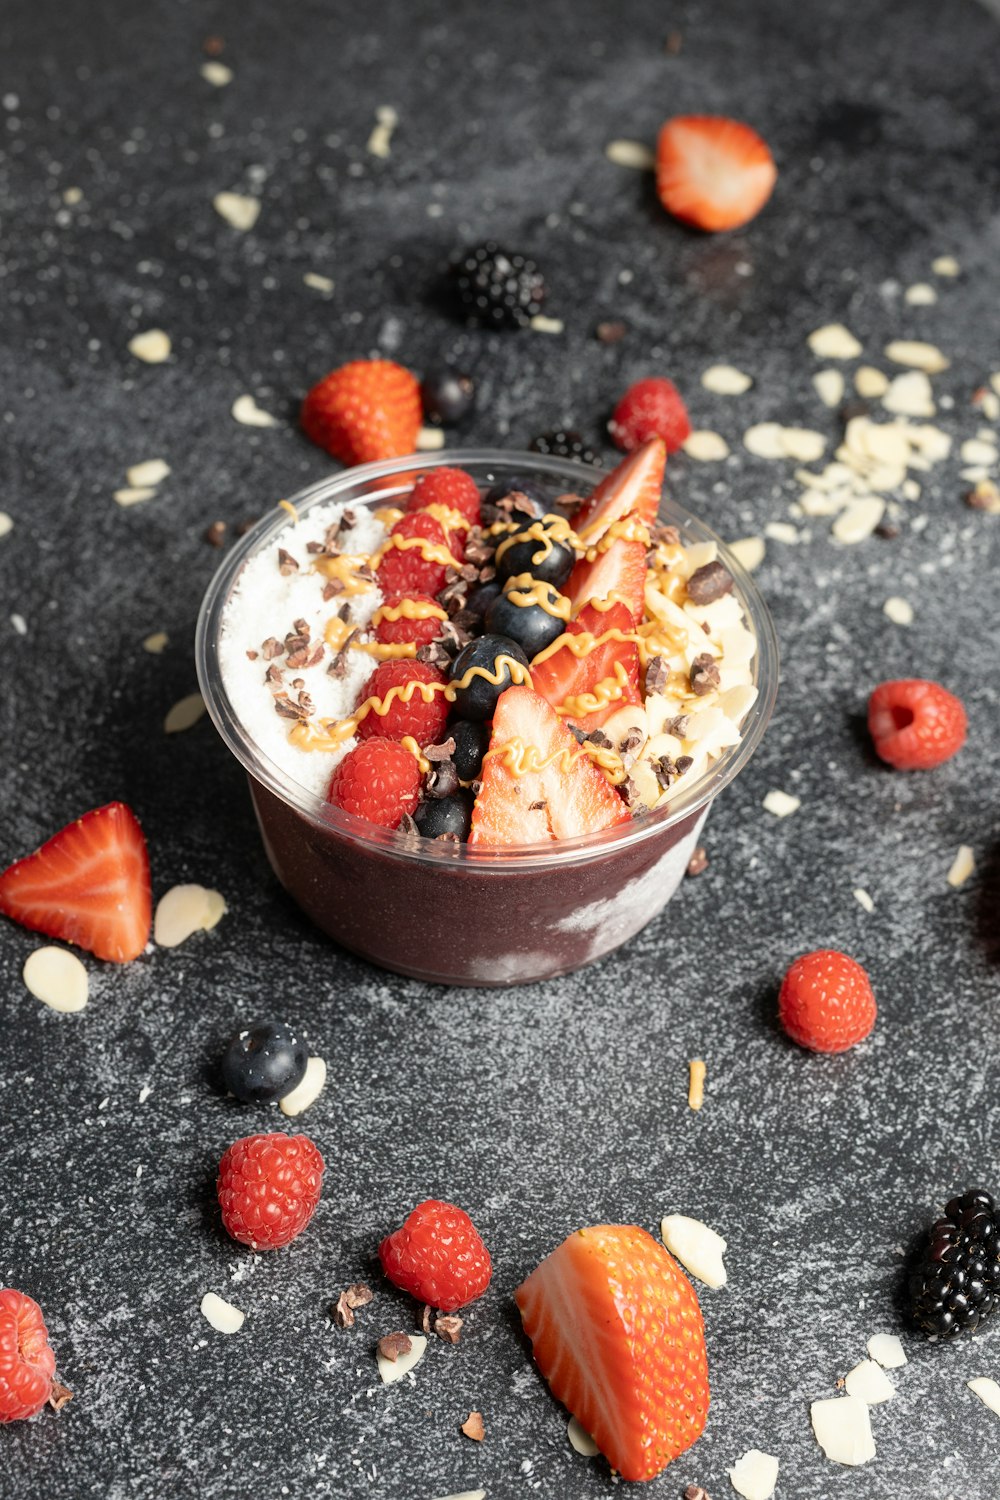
x: 581, y: 478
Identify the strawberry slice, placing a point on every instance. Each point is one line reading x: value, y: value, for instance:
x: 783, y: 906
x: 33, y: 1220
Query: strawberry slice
x: 88, y: 885
x: 617, y: 1332
x: 563, y: 676
x: 565, y: 797
x: 712, y: 172
x: 632, y: 487
x: 619, y: 573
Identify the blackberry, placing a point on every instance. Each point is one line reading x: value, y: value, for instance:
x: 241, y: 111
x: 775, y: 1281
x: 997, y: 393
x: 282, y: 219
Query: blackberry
x: 498, y: 287
x: 955, y: 1284
x: 564, y: 442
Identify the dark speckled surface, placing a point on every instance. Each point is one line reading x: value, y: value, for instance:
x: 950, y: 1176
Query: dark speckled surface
x: 542, y: 1108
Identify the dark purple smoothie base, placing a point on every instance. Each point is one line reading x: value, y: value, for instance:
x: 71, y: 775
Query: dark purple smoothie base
x: 455, y: 925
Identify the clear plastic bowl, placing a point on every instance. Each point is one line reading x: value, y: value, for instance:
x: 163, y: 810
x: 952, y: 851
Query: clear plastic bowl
x: 451, y: 913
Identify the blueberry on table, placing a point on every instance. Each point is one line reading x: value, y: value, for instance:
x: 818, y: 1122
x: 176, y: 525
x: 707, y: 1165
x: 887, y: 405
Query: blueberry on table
x: 546, y: 559
x: 478, y: 697
x: 447, y: 395
x: 264, y: 1062
x: 472, y: 740
x: 446, y: 815
x: 533, y: 626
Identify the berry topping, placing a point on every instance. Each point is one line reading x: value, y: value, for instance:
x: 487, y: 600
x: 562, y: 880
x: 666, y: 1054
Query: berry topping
x: 651, y: 408
x: 826, y: 1002
x: 513, y: 613
x: 566, y: 681
x: 564, y: 442
x: 540, y: 554
x: 437, y: 1256
x: 617, y: 1332
x: 405, y: 570
x: 446, y: 817
x: 633, y: 488
x: 264, y: 1062
x: 712, y: 172
x: 451, y: 488
x: 472, y: 740
x: 537, y: 784
x: 378, y: 780
x: 268, y: 1187
x: 89, y: 885
x: 497, y: 287
x: 481, y: 597
x: 916, y: 724
x: 447, y: 396
x: 27, y: 1364
x: 423, y: 717
x: 618, y: 573
x: 365, y: 410
x: 954, y: 1284
x: 478, y: 697
x: 419, y: 631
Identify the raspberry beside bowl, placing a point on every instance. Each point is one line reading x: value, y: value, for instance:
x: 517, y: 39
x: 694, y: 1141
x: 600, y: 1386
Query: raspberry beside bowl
x: 456, y: 914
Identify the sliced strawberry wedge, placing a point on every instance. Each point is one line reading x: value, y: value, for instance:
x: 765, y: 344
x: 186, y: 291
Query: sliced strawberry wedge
x: 617, y: 1332
x: 537, y: 786
x: 88, y: 885
x: 633, y: 487
x: 565, y: 676
x: 713, y: 172
x: 619, y: 573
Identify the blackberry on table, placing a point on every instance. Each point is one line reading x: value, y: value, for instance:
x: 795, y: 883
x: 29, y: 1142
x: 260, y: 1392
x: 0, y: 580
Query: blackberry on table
x: 497, y: 287
x: 955, y: 1284
x: 564, y: 442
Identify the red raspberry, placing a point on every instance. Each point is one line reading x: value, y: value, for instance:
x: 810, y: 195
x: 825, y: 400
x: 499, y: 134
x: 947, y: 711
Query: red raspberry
x: 419, y: 632
x: 378, y: 780
x: 650, y: 408
x: 27, y: 1364
x: 915, y: 724
x: 406, y: 570
x: 269, y: 1186
x: 424, y: 720
x: 437, y: 1256
x: 826, y: 1002
x: 364, y: 410
x: 451, y: 487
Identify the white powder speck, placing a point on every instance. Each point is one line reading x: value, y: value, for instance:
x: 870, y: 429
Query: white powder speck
x: 144, y: 1093
x: 20, y: 624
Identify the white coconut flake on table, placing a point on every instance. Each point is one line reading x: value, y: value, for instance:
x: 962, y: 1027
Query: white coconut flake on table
x: 869, y: 382
x: 781, y: 804
x: 843, y: 1430
x: 306, y: 1091
x: 393, y: 1370
x: 920, y: 295
x: 869, y: 1382
x: 133, y: 494
x: 918, y: 355
x: 631, y: 154
x: 834, y: 341
x: 317, y: 282
x: 429, y: 439
x: 962, y: 866
x: 156, y: 643
x: 886, y: 1350
x: 152, y: 471
x: 380, y: 141
x: 755, y: 1475
x: 706, y: 447
x: 782, y: 531
x: 726, y: 380
x: 57, y: 978
x: 863, y: 899
x: 987, y: 1390
x: 217, y: 74
x: 898, y: 610
x: 829, y: 386
x: 698, y: 1247
x: 466, y: 1495
x: 238, y: 209
x: 246, y: 411
x: 152, y: 346
x: 945, y: 265
x: 580, y: 1439
x: 222, y: 1315
x: 6, y: 523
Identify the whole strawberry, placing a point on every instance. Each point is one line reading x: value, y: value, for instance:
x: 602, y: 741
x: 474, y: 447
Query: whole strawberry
x: 269, y: 1186
x: 651, y: 408
x: 363, y: 411
x: 27, y: 1364
x: 437, y: 1256
x: 826, y: 1002
x: 916, y: 724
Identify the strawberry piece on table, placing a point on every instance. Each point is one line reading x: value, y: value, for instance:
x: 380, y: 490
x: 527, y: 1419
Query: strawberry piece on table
x: 632, y: 488
x: 617, y: 1332
x: 405, y: 570
x: 652, y: 408
x: 619, y: 574
x: 915, y: 724
x: 424, y: 719
x: 363, y: 411
x: 437, y: 1256
x: 27, y: 1364
x: 88, y: 885
x: 564, y: 676
x: 566, y: 795
x: 826, y: 1002
x: 378, y: 780
x: 713, y: 172
x: 453, y: 488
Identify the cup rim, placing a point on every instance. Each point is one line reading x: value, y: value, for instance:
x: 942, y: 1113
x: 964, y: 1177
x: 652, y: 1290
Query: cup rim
x: 484, y: 463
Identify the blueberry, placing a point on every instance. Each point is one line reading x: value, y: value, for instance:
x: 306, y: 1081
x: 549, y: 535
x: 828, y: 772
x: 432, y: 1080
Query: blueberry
x: 264, y: 1062
x: 529, y: 624
x: 554, y: 566
x: 447, y: 395
x: 452, y: 815
x: 479, y: 698
x: 472, y: 740
x: 481, y: 597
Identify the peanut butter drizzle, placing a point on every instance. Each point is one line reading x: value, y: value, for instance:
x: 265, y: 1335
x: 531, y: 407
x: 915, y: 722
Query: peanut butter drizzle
x: 524, y: 591
x: 608, y: 690
x: 628, y: 529
x: 429, y: 551
x: 450, y: 520
x: 525, y: 760
x: 388, y: 515
x: 409, y: 743
x: 287, y: 505
x: 387, y: 650
x: 548, y: 530
x: 409, y: 609
x: 345, y: 570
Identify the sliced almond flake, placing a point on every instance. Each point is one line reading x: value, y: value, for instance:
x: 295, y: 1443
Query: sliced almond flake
x: 858, y: 520
x: 430, y: 438
x: 834, y: 341
x: 749, y: 551
x: 843, y: 1430
x: 898, y: 610
x: 57, y: 978
x: 887, y: 1350
x: 246, y: 410
x: 72, y: 196
x: 156, y: 643
x: 185, y: 713
x: 392, y: 1370
x: 945, y: 265
x: 765, y: 440
x: 932, y: 442
x: 975, y: 451
x: 802, y: 444
x: 223, y: 1316
x: 215, y: 909
x: 151, y: 471
x: 306, y: 1091
x: 988, y: 1392
x: 217, y: 74
x: 987, y: 435
x: 829, y: 387
x: 782, y: 531
x: 706, y: 447
x: 920, y: 295
x: 133, y: 495
x: 541, y: 324
x: 977, y: 474
x: 466, y: 1495
x: 6, y: 524
x: 20, y: 624
x: 726, y: 380
x: 696, y: 1083
x: 580, y: 1439
x: 862, y: 897
x: 183, y: 911
x: 152, y: 347
x: 869, y: 1382
x: 781, y: 804
x: 995, y: 381
x: 910, y: 489
x: 698, y: 1248
x: 631, y: 154
x: 239, y: 211
x: 380, y: 140
x: 818, y: 503
x: 833, y: 477
x: 317, y: 282
x: 910, y: 395
x: 755, y: 1475
x: 870, y: 383
x: 962, y: 866
x: 921, y: 356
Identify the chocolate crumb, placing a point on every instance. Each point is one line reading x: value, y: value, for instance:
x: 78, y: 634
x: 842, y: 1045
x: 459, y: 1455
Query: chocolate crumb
x: 444, y: 751
x: 434, y: 654
x: 668, y: 535
x: 358, y: 1294
x: 442, y: 780
x: 286, y: 563
x: 580, y: 735
x: 408, y: 828
x: 271, y: 648
x: 343, y: 1314
x: 426, y: 1318
x: 672, y: 47
x: 313, y: 548
x: 887, y: 531
x: 446, y: 838
x: 273, y: 678
x: 244, y: 526
x: 298, y: 682
x: 538, y: 806
x: 684, y: 763
x: 695, y: 1492
x: 698, y: 863
x: 393, y: 1345
x: 657, y: 674
x: 59, y: 1395
x: 678, y: 726
x: 704, y: 675
x: 709, y: 583
x: 475, y: 787
x: 630, y: 792
x: 473, y: 1426
x: 344, y: 613
x: 331, y: 589
x: 984, y: 496
x: 664, y: 770
x: 611, y: 331
x: 306, y: 655
x: 630, y: 744
x: 284, y: 707
x: 448, y: 1326
x: 338, y: 666
x: 348, y: 519
x: 212, y: 46
x: 251, y: 656
x: 215, y: 535
x: 600, y: 739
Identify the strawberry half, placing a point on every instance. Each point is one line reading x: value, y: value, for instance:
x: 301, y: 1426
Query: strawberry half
x: 619, y: 573
x: 617, y: 1332
x: 633, y: 486
x: 712, y: 172
x: 568, y: 796
x: 88, y: 885
x: 563, y: 675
